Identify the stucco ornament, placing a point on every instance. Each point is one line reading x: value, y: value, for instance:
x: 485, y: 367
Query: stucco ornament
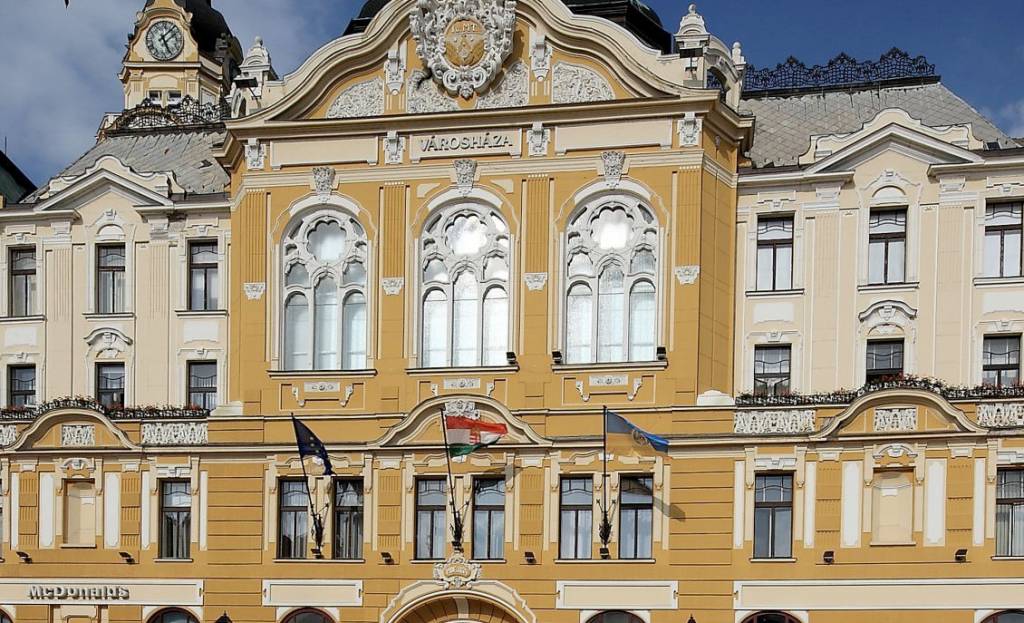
x: 392, y: 285
x: 895, y: 420
x: 7, y: 435
x: 364, y: 99
x: 323, y: 180
x: 77, y: 435
x: 255, y: 154
x: 686, y: 275
x: 773, y: 422
x: 463, y: 42
x: 456, y: 572
x: 614, y: 162
x: 254, y: 291
x: 573, y: 84
x: 465, y: 174
x: 535, y: 281
x: 997, y: 414
x: 174, y: 433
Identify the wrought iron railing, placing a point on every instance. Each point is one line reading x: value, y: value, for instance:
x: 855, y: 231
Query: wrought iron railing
x: 846, y: 396
x: 163, y: 412
x: 843, y: 70
x: 186, y: 114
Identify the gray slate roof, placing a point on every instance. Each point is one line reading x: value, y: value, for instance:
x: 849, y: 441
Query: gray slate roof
x: 188, y: 154
x: 784, y: 124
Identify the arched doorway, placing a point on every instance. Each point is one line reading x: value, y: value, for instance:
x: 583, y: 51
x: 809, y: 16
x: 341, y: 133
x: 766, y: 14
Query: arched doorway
x: 307, y: 615
x: 770, y: 617
x: 615, y: 616
x: 458, y: 609
x: 170, y: 615
x: 1007, y: 616
x: 4, y: 618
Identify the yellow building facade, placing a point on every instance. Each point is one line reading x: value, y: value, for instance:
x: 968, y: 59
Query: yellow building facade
x: 509, y: 214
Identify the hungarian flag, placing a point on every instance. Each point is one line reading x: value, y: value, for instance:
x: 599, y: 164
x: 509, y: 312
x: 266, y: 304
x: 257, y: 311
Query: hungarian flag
x: 466, y: 435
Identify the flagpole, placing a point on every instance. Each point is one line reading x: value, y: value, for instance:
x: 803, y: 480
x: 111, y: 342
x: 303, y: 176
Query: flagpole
x: 456, y: 519
x: 318, y: 528
x: 605, y: 530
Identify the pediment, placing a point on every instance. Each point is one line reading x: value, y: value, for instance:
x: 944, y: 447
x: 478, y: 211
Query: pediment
x: 108, y: 174
x: 900, y: 411
x: 72, y: 429
x: 422, y: 427
x: 549, y: 56
x: 835, y: 153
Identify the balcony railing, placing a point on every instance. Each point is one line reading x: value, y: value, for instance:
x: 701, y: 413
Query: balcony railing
x: 846, y: 396
x: 162, y: 412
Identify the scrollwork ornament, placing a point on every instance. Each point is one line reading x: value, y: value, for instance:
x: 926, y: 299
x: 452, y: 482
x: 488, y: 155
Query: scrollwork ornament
x: 463, y: 42
x: 392, y: 285
x: 614, y: 162
x: 323, y: 180
x: 8, y: 434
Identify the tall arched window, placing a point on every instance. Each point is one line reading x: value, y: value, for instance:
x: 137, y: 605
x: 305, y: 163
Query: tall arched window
x: 615, y: 616
x: 171, y: 615
x: 1007, y: 616
x: 611, y: 277
x: 770, y: 617
x: 325, y: 294
x: 464, y: 257
x: 307, y: 615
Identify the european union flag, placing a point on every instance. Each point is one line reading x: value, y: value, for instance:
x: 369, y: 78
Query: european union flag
x: 310, y: 445
x: 624, y: 437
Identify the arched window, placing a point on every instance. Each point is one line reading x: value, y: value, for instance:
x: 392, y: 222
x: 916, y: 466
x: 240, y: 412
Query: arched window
x: 615, y: 616
x: 1007, y: 616
x: 611, y: 250
x: 770, y: 617
x: 4, y: 618
x: 171, y: 615
x: 464, y: 258
x: 324, y: 276
x: 307, y: 615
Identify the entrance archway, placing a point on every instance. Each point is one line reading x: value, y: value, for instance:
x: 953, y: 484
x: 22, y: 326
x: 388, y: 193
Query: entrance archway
x: 770, y: 617
x: 1007, y: 616
x: 458, y: 609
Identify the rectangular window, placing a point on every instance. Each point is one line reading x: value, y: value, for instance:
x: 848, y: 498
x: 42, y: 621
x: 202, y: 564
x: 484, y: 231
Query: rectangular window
x: 175, y: 518
x: 892, y: 508
x: 431, y: 497
x: 110, y: 384
x: 110, y: 282
x: 576, y: 518
x: 884, y: 360
x: 155, y: 97
x: 1000, y: 360
x: 21, y: 386
x: 636, y: 516
x: 771, y: 370
x: 202, y: 384
x: 202, y: 276
x: 348, y: 519
x: 887, y: 246
x: 173, y: 98
x: 79, y: 512
x: 1010, y: 512
x: 775, y: 254
x: 488, y: 518
x: 773, y: 516
x: 22, y: 287
x: 1002, y: 255
x: 291, y: 519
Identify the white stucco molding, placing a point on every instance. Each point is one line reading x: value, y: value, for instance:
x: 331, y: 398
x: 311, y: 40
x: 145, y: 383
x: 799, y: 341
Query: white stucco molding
x: 901, y: 397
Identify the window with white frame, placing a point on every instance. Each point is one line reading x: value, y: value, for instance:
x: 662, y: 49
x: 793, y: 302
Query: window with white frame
x: 110, y: 279
x: 22, y: 282
x: 325, y: 294
x: 774, y: 253
x: 887, y: 246
x: 1000, y: 360
x: 464, y: 270
x: 1003, y: 227
x: 1010, y: 512
x: 611, y: 277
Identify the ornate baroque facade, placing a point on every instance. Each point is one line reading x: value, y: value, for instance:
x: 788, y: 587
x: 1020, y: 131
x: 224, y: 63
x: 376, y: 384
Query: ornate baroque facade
x: 517, y: 214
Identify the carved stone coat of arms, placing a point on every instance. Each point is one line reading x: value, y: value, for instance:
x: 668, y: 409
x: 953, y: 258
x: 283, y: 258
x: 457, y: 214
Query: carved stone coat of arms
x: 463, y: 42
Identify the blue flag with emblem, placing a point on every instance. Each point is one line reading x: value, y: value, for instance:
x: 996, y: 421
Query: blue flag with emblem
x: 624, y: 437
x: 310, y: 445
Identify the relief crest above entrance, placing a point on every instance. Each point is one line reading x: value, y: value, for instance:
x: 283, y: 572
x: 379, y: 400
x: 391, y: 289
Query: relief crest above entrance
x: 463, y: 43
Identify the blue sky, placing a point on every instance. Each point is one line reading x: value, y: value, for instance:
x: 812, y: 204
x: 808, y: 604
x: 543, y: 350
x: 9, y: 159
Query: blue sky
x: 61, y: 65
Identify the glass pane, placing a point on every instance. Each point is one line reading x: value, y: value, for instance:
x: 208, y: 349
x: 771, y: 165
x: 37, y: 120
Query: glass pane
x: 293, y: 493
x: 611, y: 229
x: 111, y: 256
x: 497, y: 536
x: 327, y: 241
x: 496, y: 268
x: 765, y: 268
x: 297, y: 333
x: 431, y: 493
x: 643, y: 262
x: 641, y: 322
x: 775, y: 228
x: 1011, y: 254
x: 203, y: 252
x: 783, y: 532
x: 637, y: 490
x: 354, y: 339
x: 435, y: 329
x: 1004, y: 516
x: 584, y: 533
x: 897, y: 255
x: 580, y: 264
x: 627, y: 534
x: 466, y: 235
x: 992, y: 255
x: 762, y: 532
x: 784, y: 268
x: 495, y: 327
x: 355, y: 274
x: 489, y: 493
x: 887, y: 222
x: 577, y: 491
x: 610, y: 326
x: 1003, y: 214
x: 579, y: 327
x: 876, y: 262
x: 23, y: 260
x: 645, y: 525
x: 481, y: 534
x: 438, y: 535
x: 297, y: 276
x: 325, y: 338
x: 465, y: 322
x: 435, y: 271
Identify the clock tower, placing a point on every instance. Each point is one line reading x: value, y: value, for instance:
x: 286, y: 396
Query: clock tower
x: 179, y: 49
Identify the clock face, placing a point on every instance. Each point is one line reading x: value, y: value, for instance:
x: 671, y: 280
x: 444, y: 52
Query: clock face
x: 164, y: 40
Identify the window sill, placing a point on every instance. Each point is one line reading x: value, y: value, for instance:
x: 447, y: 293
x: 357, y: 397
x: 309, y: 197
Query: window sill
x: 189, y: 560
x: 465, y: 370
x: 908, y: 286
x: 759, y: 560
x: 319, y: 374
x: 892, y: 544
x: 74, y: 546
x: 1007, y: 557
x: 425, y: 561
x: 609, y: 366
x: 998, y: 281
x: 769, y: 293
x: 201, y: 313
x: 21, y: 319
x: 489, y: 561
x: 117, y: 316
x: 605, y: 561
x: 320, y: 561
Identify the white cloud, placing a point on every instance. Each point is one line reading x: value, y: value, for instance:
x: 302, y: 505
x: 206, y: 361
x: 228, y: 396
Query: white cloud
x: 61, y: 65
x: 1011, y: 118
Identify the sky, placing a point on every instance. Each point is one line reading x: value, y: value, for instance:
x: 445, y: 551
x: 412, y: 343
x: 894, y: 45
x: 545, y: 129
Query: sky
x: 60, y: 65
